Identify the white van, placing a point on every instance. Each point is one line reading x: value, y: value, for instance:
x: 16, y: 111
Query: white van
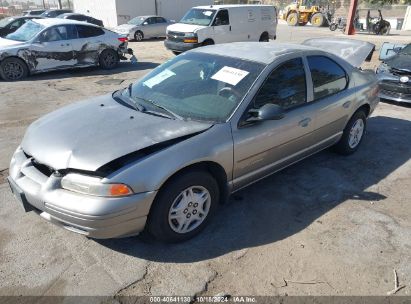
x: 204, y: 25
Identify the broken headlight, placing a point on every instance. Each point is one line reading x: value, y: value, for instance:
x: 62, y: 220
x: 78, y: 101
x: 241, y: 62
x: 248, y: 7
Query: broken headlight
x: 382, y: 68
x: 93, y: 186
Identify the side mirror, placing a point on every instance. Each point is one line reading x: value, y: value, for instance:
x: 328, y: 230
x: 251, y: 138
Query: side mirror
x: 145, y: 23
x: 268, y: 111
x: 217, y: 22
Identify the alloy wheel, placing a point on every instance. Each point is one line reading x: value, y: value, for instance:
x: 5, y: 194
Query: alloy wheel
x: 189, y: 209
x: 356, y: 133
x: 13, y: 70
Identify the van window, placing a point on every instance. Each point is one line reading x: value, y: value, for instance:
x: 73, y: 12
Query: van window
x: 222, y: 18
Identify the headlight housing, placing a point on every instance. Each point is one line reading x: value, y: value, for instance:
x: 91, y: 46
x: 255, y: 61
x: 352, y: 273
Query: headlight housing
x: 382, y: 68
x: 91, y: 185
x: 190, y: 38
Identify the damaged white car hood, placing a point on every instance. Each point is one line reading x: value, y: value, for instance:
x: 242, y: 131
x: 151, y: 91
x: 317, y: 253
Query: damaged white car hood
x: 90, y: 134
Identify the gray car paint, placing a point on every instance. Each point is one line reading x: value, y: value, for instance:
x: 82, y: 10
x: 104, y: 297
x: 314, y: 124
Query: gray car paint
x: 242, y: 154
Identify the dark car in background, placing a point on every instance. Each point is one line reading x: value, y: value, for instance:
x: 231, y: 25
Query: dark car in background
x: 81, y: 17
x: 11, y: 24
x: 53, y: 13
x: 394, y: 73
x: 34, y: 12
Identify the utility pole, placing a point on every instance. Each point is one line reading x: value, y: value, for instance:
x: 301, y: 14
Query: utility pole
x: 349, y: 30
x: 44, y: 4
x: 60, y: 6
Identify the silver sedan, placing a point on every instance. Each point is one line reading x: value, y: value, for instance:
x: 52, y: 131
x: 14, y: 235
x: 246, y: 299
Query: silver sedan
x: 144, y: 27
x: 162, y: 154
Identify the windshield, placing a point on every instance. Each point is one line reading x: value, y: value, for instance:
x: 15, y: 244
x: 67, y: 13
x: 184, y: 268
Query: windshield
x: 137, y: 21
x: 26, y: 32
x: 5, y: 21
x: 197, y: 86
x: 198, y: 16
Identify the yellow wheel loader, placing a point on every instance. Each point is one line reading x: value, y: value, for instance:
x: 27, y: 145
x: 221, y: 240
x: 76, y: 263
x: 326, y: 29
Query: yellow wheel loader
x: 303, y: 11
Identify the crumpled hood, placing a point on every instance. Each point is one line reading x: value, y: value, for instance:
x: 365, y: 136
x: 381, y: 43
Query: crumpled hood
x: 184, y: 28
x: 6, y: 44
x: 86, y: 135
x: 400, y: 62
x: 124, y: 28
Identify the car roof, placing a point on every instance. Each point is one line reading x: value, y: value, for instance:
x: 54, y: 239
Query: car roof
x: 58, y: 21
x: 263, y: 52
x: 230, y: 6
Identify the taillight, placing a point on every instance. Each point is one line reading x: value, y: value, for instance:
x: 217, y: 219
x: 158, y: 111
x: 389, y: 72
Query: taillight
x: 123, y: 39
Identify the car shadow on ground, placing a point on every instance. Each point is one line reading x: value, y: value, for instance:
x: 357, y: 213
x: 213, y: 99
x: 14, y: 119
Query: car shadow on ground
x: 150, y: 39
x: 289, y: 201
x: 124, y: 66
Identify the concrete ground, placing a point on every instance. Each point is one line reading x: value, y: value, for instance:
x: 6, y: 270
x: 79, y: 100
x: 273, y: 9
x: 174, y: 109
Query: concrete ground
x: 329, y: 225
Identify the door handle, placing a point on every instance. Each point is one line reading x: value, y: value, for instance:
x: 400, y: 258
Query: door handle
x: 230, y: 27
x: 347, y: 104
x: 305, y: 122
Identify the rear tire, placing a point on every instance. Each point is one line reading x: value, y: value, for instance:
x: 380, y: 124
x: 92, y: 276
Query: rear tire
x: 353, y: 134
x: 183, y: 207
x: 13, y: 69
x: 292, y: 19
x: 264, y: 37
x: 108, y: 59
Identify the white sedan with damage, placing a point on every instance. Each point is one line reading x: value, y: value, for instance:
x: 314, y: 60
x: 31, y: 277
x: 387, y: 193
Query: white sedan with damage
x: 51, y: 44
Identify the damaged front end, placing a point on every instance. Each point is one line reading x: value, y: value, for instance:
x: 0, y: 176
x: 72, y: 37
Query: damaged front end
x: 394, y: 73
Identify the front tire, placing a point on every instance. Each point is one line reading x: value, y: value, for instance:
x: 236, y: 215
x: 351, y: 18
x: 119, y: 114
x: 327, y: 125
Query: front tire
x: 13, y: 69
x: 264, y: 37
x: 109, y: 59
x: 183, y: 207
x: 333, y: 27
x: 317, y: 19
x: 353, y: 134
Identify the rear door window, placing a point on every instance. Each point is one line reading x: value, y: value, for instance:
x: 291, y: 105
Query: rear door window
x: 328, y: 76
x: 85, y: 31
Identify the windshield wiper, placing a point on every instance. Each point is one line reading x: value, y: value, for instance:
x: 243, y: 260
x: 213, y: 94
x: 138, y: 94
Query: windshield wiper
x: 172, y: 116
x: 135, y: 104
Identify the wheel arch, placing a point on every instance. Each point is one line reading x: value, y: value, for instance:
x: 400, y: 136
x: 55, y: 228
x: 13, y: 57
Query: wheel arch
x: 366, y: 108
x: 208, y: 39
x: 211, y: 167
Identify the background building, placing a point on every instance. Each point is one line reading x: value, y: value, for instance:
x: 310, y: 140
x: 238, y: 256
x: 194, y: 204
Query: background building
x: 115, y: 12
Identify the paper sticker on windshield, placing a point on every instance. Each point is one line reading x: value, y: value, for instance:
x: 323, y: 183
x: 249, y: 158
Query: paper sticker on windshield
x: 230, y: 75
x: 159, y: 78
x: 208, y: 13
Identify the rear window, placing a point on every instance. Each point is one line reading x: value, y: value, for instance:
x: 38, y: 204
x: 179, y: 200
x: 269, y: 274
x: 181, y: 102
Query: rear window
x: 85, y: 31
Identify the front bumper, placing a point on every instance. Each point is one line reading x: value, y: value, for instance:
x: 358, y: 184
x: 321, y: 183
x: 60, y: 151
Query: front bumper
x: 180, y: 46
x: 391, y: 88
x: 95, y: 217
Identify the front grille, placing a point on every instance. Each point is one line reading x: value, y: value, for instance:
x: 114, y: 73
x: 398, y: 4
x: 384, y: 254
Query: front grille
x: 396, y: 86
x: 397, y: 72
x: 175, y: 36
x: 395, y: 94
x: 46, y: 170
